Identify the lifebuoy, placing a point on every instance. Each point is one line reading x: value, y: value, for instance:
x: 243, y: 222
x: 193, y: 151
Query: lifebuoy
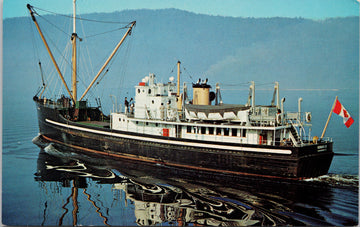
x: 308, y: 117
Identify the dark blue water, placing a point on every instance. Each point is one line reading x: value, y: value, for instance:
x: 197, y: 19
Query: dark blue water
x: 52, y: 186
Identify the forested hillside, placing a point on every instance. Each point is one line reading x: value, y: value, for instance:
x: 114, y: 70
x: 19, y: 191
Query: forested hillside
x: 299, y: 53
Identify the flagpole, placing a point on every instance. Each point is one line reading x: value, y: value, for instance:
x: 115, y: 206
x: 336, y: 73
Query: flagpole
x: 327, y: 122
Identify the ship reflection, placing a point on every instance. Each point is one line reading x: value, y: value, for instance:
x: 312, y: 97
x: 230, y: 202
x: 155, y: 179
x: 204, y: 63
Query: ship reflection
x: 162, y: 195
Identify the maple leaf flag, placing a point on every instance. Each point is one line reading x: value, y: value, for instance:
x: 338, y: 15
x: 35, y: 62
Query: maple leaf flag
x: 341, y: 111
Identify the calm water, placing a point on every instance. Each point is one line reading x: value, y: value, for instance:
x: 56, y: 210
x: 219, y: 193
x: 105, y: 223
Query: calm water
x: 51, y: 186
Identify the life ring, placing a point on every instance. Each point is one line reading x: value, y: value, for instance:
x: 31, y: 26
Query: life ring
x: 308, y: 117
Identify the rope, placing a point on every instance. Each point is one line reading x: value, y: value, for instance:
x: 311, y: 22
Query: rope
x: 84, y: 19
x: 52, y: 24
x: 64, y: 62
x: 172, y: 70
x: 33, y: 40
x: 188, y: 74
x: 105, y: 32
x: 89, y: 68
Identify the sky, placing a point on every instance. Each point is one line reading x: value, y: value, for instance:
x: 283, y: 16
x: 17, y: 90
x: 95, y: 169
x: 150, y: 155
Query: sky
x: 313, y: 9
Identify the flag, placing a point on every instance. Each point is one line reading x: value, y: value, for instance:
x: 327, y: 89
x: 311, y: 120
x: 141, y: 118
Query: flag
x: 341, y: 111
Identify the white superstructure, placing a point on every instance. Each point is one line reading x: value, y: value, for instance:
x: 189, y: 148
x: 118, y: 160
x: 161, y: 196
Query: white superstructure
x: 155, y: 113
x: 155, y: 100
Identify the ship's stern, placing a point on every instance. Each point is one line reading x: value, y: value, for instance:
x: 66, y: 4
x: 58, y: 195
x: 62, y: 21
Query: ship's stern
x: 315, y: 159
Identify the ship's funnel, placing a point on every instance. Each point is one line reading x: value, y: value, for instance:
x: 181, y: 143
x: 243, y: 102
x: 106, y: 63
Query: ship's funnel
x: 201, y: 93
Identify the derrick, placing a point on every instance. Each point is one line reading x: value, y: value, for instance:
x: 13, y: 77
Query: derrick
x: 49, y: 51
x: 128, y: 32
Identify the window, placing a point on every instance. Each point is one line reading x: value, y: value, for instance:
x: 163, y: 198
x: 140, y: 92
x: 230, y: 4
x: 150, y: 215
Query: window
x: 234, y: 132
x: 139, y: 91
x: 244, y: 133
x: 188, y: 129
x: 226, y: 131
x: 203, y: 130
x: 211, y: 130
x: 218, y: 131
x: 149, y: 91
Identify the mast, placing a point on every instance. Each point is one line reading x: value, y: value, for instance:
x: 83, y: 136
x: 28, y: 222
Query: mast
x: 277, y: 95
x: 48, y: 49
x: 108, y: 60
x: 179, y: 102
x: 252, y: 86
x: 73, y: 57
x: 178, y: 78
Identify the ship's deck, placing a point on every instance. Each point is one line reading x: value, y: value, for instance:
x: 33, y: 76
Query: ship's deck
x: 100, y: 124
x: 217, y: 108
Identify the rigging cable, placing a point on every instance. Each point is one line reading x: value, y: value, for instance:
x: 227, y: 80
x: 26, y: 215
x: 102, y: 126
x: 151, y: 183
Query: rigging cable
x: 102, y: 33
x: 79, y: 18
x: 123, y: 72
x: 52, y: 42
x: 63, y: 65
x: 33, y: 40
x: 36, y: 55
x: 64, y: 60
x: 52, y: 24
x: 90, y: 69
x: 188, y: 74
x: 172, y: 70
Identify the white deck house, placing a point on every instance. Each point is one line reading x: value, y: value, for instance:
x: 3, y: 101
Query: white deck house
x: 156, y: 113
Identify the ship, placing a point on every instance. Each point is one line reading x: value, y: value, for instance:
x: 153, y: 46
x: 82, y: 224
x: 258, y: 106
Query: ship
x: 185, y: 127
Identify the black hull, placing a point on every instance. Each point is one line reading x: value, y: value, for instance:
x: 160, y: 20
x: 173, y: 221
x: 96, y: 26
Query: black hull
x: 301, y: 162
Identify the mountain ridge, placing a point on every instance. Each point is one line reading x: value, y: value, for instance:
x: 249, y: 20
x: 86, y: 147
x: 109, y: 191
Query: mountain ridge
x: 297, y: 52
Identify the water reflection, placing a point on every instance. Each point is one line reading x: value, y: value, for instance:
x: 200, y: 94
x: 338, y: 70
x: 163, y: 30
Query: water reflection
x: 80, y: 188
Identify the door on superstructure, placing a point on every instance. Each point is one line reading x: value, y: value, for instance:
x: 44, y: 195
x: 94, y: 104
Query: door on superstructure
x: 178, y: 131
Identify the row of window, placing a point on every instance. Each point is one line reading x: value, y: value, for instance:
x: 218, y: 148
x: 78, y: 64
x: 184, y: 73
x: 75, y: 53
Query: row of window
x: 209, y: 130
x: 216, y: 131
